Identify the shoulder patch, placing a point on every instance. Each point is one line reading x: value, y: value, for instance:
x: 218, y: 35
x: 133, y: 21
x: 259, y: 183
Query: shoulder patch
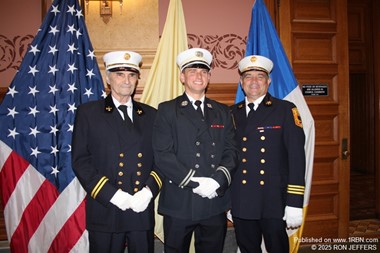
x: 297, y: 117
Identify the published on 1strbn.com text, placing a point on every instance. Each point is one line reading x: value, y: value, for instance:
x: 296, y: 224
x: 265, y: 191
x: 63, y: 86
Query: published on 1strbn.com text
x: 350, y: 244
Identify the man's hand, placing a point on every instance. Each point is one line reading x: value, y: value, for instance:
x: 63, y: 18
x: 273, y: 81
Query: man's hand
x: 207, y: 187
x: 141, y: 200
x: 122, y: 200
x: 293, y: 217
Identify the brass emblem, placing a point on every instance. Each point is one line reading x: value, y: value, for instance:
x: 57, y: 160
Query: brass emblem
x: 240, y: 106
x: 139, y: 112
x: 268, y: 103
x: 253, y: 58
x: 209, y: 105
x: 184, y: 103
x: 198, y: 54
x: 108, y: 108
x: 127, y: 56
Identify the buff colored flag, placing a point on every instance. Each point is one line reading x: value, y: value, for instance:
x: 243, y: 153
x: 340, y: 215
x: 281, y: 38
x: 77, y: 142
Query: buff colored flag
x: 163, y: 82
x: 263, y: 40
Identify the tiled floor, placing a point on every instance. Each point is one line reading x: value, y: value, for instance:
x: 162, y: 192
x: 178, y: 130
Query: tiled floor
x: 362, y: 196
x: 362, y: 206
x: 365, y: 228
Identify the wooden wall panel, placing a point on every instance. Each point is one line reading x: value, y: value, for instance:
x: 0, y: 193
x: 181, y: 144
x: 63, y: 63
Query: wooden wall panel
x: 356, y: 21
x: 325, y: 126
x: 325, y: 169
x: 319, y: 55
x: 322, y: 10
x: 358, y: 59
x: 314, y: 48
x: 325, y: 204
x: 359, y: 40
x: 325, y: 231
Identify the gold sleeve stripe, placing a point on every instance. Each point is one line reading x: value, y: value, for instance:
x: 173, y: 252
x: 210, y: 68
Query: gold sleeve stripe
x: 296, y: 186
x: 298, y: 193
x: 157, y: 178
x: 296, y: 189
x: 98, y: 187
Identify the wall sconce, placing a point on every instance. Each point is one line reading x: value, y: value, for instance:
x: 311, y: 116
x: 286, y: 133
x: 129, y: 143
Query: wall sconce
x: 105, y: 10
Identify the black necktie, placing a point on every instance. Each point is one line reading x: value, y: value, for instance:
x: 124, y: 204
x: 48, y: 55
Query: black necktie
x: 251, y: 106
x: 199, y: 109
x: 127, y: 119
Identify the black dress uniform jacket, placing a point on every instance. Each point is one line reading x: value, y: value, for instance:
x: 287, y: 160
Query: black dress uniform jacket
x: 108, y: 156
x: 185, y: 146
x: 272, y: 166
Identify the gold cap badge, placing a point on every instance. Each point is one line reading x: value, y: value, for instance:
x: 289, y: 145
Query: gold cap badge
x: 198, y: 54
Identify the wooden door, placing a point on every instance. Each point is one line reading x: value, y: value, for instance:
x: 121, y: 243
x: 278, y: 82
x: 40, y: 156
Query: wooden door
x: 314, y: 34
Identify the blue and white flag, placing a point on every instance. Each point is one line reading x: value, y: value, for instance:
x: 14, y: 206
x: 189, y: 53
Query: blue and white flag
x: 263, y: 40
x: 44, y: 204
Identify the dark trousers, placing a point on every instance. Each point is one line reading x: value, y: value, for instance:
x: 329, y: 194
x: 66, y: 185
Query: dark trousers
x: 249, y: 234
x: 209, y: 234
x: 136, y: 241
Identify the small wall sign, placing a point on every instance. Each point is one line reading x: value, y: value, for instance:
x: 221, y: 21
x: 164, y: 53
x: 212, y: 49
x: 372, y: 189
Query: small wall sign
x: 315, y: 90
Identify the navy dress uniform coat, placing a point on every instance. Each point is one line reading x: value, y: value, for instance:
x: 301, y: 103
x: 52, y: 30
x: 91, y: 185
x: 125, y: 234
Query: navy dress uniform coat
x: 185, y: 146
x: 272, y: 165
x: 108, y: 156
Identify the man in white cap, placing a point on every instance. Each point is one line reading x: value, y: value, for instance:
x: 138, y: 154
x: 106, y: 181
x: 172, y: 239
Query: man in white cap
x: 268, y: 187
x: 113, y: 160
x: 195, y: 150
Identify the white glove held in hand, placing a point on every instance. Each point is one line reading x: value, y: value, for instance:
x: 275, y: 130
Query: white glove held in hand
x: 122, y: 200
x: 141, y: 199
x: 293, y: 217
x: 207, y: 187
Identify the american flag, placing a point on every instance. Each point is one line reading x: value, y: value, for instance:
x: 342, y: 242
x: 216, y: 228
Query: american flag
x: 43, y: 200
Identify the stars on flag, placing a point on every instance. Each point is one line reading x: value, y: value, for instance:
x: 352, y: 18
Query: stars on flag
x: 51, y: 74
x: 58, y: 73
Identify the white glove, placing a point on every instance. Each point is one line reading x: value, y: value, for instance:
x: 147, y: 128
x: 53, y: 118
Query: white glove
x: 141, y: 199
x: 293, y: 217
x: 122, y: 200
x: 213, y: 195
x: 207, y: 187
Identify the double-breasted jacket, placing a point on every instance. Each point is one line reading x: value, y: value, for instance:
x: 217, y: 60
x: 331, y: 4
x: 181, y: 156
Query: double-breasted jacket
x: 107, y: 156
x: 186, y: 146
x: 272, y: 164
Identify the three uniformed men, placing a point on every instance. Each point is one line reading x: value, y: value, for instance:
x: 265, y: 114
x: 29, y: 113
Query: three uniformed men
x: 196, y: 152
